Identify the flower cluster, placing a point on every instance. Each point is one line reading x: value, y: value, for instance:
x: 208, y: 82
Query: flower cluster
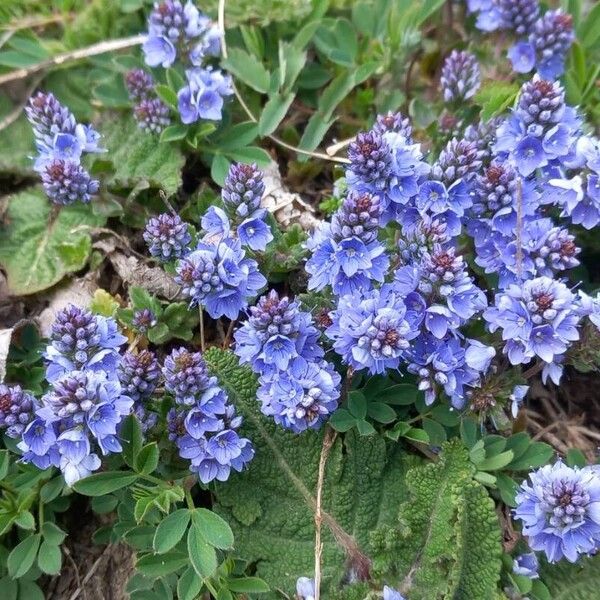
x: 297, y: 387
x: 346, y: 254
x: 203, y: 424
x: 85, y: 405
x: 83, y: 409
x: 61, y: 142
x: 167, y: 237
x: 242, y: 214
x: 460, y: 76
x: 82, y: 341
x: 219, y: 277
x: 544, y: 42
x: 151, y: 114
x: 16, y: 409
x: 177, y: 31
x: 559, y: 508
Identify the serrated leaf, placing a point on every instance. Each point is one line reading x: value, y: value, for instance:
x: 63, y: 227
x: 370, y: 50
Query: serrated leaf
x: 138, y: 160
x: 268, y: 505
x: 213, y: 528
x: 170, y: 530
x: 448, y: 542
x: 22, y: 556
x: 104, y: 483
x: 40, y: 247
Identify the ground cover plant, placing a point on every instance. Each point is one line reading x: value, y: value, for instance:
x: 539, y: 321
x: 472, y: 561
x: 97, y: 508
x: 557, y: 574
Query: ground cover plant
x: 299, y: 299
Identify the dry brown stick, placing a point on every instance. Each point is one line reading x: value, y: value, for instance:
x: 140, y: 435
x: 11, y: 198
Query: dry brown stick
x: 14, y: 114
x: 252, y: 117
x: 65, y: 57
x: 88, y: 576
x: 328, y: 441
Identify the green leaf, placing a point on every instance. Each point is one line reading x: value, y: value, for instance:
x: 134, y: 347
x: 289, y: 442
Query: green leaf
x: 137, y: 159
x: 238, y: 136
x: 147, y: 459
x: 494, y: 463
x: 401, y: 394
x: 202, y: 555
x: 170, y: 530
x: 213, y: 528
x: 448, y: 539
x: 219, y: 169
x: 25, y: 520
x: 49, y: 558
x: 536, y: 455
x: 39, y: 246
x: 104, y: 504
x: 589, y: 32
x: 157, y: 565
x: 495, y: 97
x: 167, y: 95
x: 16, y: 145
x: 341, y: 420
x: 131, y: 438
x: 380, y: 412
x: 576, y: 458
x: 268, y: 506
x: 247, y: 585
x: 250, y: 154
x: 104, y: 483
x: 364, y: 428
x: 21, y: 558
x: 248, y: 69
x: 189, y: 585
x: 274, y: 112
x: 4, y: 463
x: 53, y: 534
x: 568, y: 581
x: 173, y: 133
x: 357, y: 404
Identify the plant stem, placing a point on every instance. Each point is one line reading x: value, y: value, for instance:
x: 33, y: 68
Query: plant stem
x: 188, y: 497
x: 328, y: 441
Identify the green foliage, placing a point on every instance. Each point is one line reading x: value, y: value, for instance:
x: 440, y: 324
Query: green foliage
x: 42, y: 244
x: 269, y: 506
x: 136, y: 160
x: 447, y: 540
x: 566, y: 581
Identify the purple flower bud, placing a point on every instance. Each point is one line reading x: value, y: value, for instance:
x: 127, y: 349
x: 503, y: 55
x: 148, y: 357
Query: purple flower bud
x: 519, y: 15
x: 139, y: 374
x: 370, y: 159
x: 167, y: 237
x: 16, y: 409
x: 186, y: 376
x: 551, y: 38
x: 143, y: 320
x: 243, y: 190
x: 394, y: 122
x: 152, y: 115
x: 139, y: 83
x: 460, y: 159
x: 66, y: 182
x: 460, y: 76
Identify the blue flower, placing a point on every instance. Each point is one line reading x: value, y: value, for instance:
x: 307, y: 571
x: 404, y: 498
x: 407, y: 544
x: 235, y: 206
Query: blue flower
x: 220, y: 278
x: 560, y: 510
x: 526, y: 565
x: 202, y: 97
x: 82, y: 341
x: 301, y: 397
x: 537, y: 318
x: 391, y: 594
x: 159, y: 51
x: 276, y: 333
x: 372, y: 329
x: 204, y: 426
x: 305, y: 588
x: 346, y: 253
